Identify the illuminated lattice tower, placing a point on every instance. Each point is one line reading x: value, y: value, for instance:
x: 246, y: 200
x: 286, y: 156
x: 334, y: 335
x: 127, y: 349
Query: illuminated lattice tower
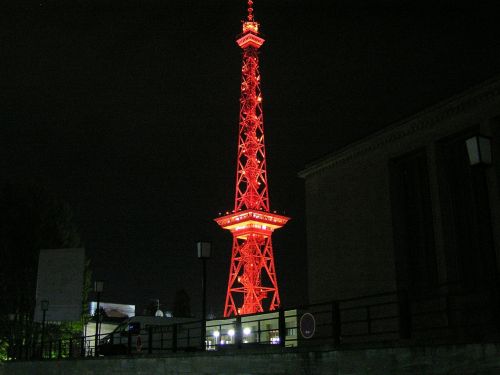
x: 252, y: 285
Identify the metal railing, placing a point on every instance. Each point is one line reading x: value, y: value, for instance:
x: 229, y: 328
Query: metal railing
x: 379, y: 318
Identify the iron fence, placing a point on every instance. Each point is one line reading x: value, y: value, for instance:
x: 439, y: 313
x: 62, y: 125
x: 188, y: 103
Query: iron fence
x: 379, y: 318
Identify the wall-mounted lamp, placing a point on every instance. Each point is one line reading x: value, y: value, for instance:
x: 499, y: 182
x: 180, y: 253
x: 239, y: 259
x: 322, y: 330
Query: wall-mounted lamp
x: 479, y: 150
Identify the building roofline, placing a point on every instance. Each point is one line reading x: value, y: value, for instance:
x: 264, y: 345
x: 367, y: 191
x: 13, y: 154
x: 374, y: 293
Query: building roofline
x: 418, y: 121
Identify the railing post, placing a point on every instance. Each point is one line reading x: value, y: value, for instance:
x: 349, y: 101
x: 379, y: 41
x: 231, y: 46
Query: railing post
x: 368, y: 320
x: 496, y: 301
x: 258, y: 331
x: 448, y: 311
x: 59, y: 349
x: 404, y: 315
x: 34, y: 352
x: 70, y: 349
x: 238, y: 332
x: 129, y: 341
x: 203, y: 334
x: 150, y: 340
x: 336, y: 323
x: 174, y: 338
x: 82, y: 347
x: 282, y: 327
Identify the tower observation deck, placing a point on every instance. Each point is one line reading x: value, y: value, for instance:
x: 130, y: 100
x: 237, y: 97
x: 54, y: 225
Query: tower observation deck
x: 252, y: 285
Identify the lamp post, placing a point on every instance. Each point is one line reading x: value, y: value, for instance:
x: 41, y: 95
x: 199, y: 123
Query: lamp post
x: 203, y: 254
x: 98, y: 288
x: 44, y: 306
x: 12, y: 338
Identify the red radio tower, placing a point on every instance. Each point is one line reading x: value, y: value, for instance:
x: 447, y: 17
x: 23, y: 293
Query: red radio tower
x: 252, y: 285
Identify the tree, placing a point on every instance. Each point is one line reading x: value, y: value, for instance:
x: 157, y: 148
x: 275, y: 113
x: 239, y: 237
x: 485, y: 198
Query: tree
x: 30, y: 219
x: 182, y: 304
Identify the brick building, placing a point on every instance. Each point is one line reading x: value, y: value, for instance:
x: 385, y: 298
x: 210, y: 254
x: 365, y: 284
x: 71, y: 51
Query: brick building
x: 404, y: 209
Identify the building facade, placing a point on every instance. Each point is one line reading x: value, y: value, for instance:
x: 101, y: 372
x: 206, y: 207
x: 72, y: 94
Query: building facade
x: 404, y: 209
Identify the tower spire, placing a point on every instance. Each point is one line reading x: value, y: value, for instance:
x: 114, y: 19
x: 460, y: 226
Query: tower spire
x: 252, y: 285
x: 250, y: 10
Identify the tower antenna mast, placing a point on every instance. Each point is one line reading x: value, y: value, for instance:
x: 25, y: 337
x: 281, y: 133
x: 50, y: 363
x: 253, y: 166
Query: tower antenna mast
x: 252, y: 284
x: 250, y: 11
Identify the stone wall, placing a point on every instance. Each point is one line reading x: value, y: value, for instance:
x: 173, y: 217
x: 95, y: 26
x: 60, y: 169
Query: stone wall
x: 471, y: 359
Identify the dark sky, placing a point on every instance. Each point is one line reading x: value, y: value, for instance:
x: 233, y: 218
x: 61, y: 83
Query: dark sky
x: 128, y: 110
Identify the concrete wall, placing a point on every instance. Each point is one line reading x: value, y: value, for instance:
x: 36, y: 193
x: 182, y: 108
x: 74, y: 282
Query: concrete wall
x: 473, y: 359
x: 348, y: 204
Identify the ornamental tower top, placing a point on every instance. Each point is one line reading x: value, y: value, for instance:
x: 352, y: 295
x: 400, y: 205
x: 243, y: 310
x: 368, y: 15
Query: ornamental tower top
x: 250, y: 34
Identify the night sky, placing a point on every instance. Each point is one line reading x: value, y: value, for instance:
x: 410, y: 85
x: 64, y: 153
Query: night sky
x: 128, y: 111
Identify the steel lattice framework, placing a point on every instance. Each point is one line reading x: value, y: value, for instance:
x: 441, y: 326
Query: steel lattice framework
x: 252, y: 285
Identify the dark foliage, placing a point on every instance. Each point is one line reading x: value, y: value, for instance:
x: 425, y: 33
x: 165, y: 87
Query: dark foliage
x: 182, y: 304
x: 31, y: 219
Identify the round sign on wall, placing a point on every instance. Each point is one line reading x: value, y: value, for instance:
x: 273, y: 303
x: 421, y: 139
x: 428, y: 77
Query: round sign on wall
x: 307, y: 325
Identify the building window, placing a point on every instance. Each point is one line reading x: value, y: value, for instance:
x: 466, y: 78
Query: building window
x: 413, y: 231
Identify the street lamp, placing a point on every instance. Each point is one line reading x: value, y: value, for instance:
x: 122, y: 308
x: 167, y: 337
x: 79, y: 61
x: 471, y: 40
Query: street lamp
x: 479, y: 150
x: 44, y: 305
x: 204, y: 249
x: 98, y: 288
